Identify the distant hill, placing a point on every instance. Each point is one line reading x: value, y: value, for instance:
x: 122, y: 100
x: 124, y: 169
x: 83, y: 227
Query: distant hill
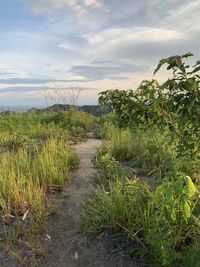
x: 14, y: 108
x: 96, y: 110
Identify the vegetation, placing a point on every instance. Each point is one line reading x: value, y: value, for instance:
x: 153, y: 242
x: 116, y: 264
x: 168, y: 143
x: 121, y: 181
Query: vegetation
x: 149, y: 168
x: 95, y: 110
x: 155, y: 132
x: 36, y: 159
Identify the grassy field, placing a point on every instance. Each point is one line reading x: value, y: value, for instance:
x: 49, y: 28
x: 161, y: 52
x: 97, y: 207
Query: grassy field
x: 162, y: 222
x: 147, y: 191
x: 36, y: 160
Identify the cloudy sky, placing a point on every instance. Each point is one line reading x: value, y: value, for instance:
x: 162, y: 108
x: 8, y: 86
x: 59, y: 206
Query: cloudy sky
x: 89, y: 45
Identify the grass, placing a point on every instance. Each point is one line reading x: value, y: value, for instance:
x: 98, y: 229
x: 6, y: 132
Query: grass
x: 118, y: 142
x: 148, y: 151
x: 53, y: 162
x: 130, y: 207
x: 70, y: 124
x: 25, y: 176
x: 121, y: 205
x: 165, y: 223
x: 36, y: 159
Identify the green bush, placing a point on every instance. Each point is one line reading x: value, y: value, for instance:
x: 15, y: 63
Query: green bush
x: 164, y: 223
x: 171, y: 224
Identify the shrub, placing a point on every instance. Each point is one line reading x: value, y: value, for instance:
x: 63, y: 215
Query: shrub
x: 170, y: 225
x: 163, y: 223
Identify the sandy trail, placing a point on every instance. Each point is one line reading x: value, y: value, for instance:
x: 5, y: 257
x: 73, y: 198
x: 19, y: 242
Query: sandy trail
x: 68, y: 245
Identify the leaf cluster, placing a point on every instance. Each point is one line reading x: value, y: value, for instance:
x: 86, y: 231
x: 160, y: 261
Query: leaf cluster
x: 175, y: 103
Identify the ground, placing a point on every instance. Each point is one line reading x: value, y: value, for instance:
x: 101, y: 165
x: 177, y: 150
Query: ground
x: 67, y: 245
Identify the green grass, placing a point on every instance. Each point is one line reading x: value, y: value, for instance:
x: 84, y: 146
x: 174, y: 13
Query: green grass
x: 36, y: 159
x: 165, y: 223
x: 130, y: 207
x: 121, y: 205
x: 26, y: 176
x: 118, y: 142
x: 70, y: 124
x: 52, y: 164
x: 148, y: 151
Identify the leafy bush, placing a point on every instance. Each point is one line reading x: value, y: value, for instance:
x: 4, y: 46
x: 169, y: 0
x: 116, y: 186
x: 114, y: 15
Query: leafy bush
x: 163, y: 223
x: 171, y: 225
x: 174, y: 104
x: 156, y: 129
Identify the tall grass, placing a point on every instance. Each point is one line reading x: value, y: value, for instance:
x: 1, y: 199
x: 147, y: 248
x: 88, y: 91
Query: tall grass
x: 121, y: 205
x: 163, y: 221
x: 19, y: 191
x: 73, y: 124
x: 52, y: 164
x: 35, y: 159
x: 149, y: 151
x: 25, y: 176
x: 35, y: 155
x: 118, y: 142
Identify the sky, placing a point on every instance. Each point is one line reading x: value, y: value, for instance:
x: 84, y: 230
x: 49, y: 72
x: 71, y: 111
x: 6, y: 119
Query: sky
x: 53, y: 50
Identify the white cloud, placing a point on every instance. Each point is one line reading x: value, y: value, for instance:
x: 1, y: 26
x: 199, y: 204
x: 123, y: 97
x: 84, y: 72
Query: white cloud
x: 105, y: 47
x: 93, y: 3
x: 106, y: 44
x: 115, y: 36
x: 185, y: 17
x: 80, y: 7
x: 8, y: 71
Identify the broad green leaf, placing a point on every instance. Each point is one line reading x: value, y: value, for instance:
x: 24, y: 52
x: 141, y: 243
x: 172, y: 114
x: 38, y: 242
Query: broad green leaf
x: 161, y: 63
x: 190, y: 186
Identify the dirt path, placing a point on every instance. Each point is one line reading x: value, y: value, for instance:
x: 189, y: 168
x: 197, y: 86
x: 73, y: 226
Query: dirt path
x: 68, y: 246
